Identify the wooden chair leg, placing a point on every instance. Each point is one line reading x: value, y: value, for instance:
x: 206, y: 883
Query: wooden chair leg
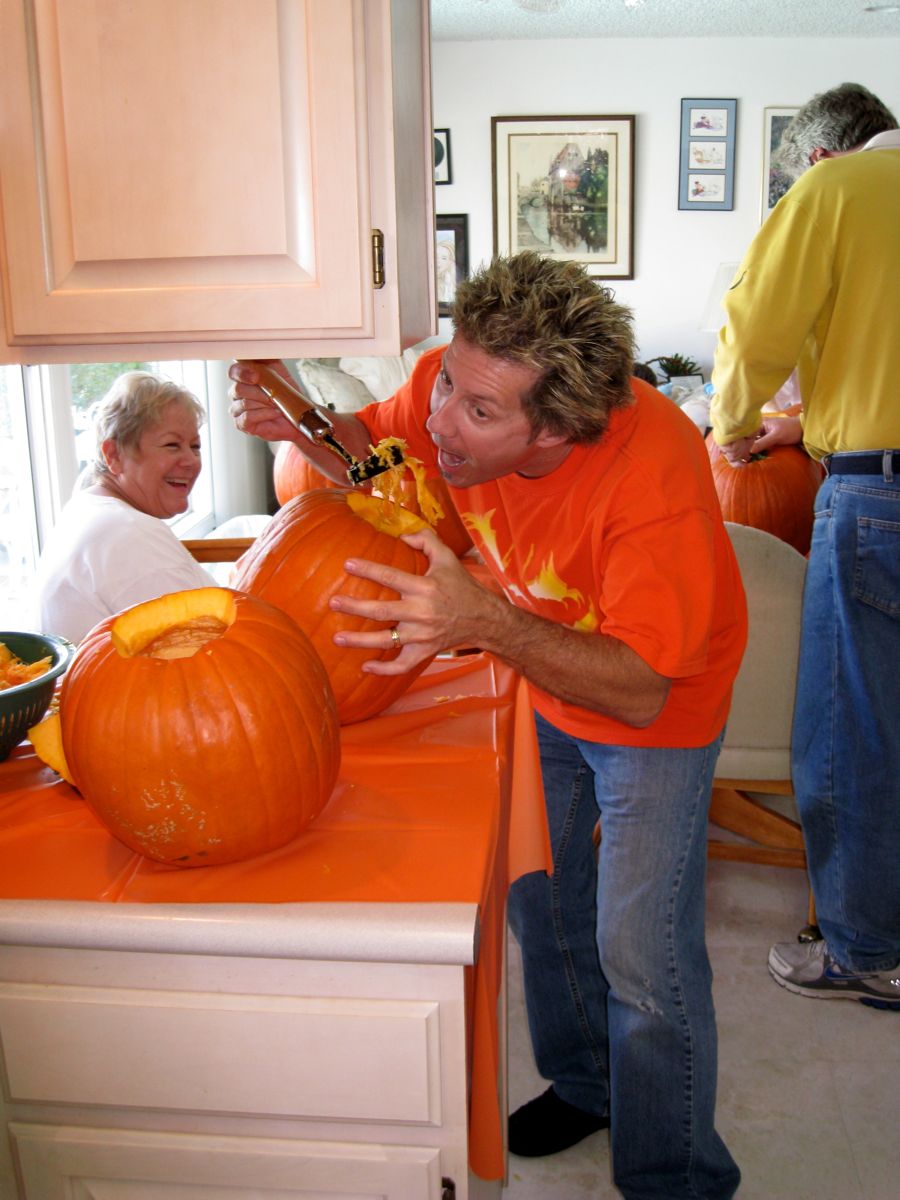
x: 811, y: 931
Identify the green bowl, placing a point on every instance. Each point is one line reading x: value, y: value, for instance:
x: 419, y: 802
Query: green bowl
x: 24, y: 705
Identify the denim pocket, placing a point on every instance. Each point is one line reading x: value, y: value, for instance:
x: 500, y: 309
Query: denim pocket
x: 875, y: 578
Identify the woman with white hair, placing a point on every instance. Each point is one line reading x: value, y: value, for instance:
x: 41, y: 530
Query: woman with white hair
x: 111, y: 547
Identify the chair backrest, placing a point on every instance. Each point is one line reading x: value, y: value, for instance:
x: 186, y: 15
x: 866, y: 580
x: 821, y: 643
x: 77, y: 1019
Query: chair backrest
x: 214, y: 550
x: 758, y: 735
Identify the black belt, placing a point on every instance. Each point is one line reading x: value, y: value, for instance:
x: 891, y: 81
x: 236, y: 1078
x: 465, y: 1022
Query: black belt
x: 862, y: 462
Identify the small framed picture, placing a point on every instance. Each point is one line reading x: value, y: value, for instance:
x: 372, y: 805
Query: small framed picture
x: 451, y: 252
x: 443, y: 171
x: 706, y: 172
x: 775, y: 182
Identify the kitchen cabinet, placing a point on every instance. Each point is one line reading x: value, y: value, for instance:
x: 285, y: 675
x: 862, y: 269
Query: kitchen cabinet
x: 326, y: 1021
x: 245, y: 1062
x: 214, y: 178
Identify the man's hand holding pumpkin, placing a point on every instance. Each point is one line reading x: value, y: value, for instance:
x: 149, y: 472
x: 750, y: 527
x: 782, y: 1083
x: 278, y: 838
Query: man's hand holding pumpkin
x: 433, y: 612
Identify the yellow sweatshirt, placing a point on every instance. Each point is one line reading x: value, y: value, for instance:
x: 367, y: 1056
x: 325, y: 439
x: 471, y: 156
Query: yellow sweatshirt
x: 819, y: 288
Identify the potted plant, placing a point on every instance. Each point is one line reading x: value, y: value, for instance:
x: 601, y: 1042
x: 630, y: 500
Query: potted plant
x: 675, y: 366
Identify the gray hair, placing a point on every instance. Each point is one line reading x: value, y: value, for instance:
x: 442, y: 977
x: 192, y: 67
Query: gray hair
x: 135, y: 402
x: 838, y: 120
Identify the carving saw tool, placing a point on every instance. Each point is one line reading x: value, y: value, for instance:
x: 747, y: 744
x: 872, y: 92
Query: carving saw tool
x: 315, y: 425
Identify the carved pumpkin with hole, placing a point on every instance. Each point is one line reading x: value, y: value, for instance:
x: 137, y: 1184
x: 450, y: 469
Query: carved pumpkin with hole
x: 293, y: 474
x: 774, y: 492
x: 199, y: 727
x: 297, y: 564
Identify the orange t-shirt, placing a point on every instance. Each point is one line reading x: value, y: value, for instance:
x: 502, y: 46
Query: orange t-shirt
x: 625, y: 538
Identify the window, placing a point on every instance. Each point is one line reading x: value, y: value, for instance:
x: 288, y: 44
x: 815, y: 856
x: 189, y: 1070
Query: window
x: 18, y: 516
x: 46, y: 440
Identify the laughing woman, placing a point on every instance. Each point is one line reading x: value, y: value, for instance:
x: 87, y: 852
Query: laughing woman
x: 111, y: 547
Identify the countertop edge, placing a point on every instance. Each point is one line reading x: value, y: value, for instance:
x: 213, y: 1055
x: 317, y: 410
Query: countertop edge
x: 440, y: 933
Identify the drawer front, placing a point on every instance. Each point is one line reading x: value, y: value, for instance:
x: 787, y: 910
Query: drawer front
x: 60, y: 1162
x: 338, y: 1059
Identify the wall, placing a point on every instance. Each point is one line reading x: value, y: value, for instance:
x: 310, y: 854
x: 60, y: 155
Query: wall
x: 676, y: 253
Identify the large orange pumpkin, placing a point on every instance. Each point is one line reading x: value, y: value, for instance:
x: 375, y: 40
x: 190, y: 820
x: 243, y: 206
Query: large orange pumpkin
x: 293, y: 474
x: 200, y: 727
x: 297, y: 564
x: 775, y: 491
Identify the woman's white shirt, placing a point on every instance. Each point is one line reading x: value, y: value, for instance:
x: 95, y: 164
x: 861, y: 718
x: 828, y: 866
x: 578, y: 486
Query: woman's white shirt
x: 103, y: 556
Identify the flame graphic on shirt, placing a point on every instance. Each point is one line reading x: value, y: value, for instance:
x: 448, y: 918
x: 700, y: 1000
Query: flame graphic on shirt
x: 481, y: 524
x: 547, y: 585
x: 587, y: 623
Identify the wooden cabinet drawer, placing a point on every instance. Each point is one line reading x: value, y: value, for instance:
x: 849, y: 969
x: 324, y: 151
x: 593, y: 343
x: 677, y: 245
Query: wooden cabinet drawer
x: 327, y: 1058
x: 59, y: 1162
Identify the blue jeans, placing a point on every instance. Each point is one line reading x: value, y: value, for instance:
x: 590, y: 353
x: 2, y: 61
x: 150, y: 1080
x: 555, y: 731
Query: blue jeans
x: 617, y: 978
x: 846, y: 733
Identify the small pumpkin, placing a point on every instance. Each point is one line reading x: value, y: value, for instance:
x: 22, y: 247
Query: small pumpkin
x: 293, y: 474
x: 774, y: 492
x: 199, y: 727
x: 297, y: 564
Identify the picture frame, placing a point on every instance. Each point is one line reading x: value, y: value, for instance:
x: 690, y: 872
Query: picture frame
x: 443, y: 168
x: 451, y: 253
x: 706, y: 162
x: 564, y: 186
x: 775, y: 182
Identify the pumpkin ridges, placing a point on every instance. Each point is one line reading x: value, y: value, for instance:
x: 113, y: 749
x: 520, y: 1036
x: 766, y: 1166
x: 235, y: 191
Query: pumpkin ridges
x: 295, y: 565
x: 248, y: 798
x: 322, y: 747
x: 775, y: 492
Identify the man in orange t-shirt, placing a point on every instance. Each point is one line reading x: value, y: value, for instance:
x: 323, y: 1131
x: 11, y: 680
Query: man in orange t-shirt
x: 590, y: 498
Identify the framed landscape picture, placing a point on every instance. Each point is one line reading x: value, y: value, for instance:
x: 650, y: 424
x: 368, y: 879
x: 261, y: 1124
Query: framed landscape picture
x: 564, y: 186
x: 775, y: 182
x: 706, y: 171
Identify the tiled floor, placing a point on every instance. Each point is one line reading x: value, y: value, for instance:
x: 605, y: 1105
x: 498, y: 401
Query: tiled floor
x: 807, y: 1088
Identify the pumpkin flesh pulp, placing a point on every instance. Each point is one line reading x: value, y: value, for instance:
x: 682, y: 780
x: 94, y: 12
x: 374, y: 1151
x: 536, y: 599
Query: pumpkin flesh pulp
x: 385, y: 515
x: 404, y: 484
x: 390, y: 482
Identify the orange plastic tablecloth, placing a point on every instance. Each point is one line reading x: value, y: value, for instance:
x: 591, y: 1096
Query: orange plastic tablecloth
x: 438, y: 799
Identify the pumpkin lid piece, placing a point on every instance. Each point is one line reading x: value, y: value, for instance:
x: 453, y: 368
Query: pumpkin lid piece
x: 173, y: 626
x: 46, y: 739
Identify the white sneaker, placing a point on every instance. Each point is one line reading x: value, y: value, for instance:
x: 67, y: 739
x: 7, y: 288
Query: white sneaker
x: 808, y: 969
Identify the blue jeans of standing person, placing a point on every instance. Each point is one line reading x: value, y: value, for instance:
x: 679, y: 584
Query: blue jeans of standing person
x: 846, y: 733
x: 617, y: 978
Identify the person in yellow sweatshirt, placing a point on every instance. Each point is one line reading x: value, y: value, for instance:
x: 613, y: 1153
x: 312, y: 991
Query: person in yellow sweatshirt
x: 819, y: 289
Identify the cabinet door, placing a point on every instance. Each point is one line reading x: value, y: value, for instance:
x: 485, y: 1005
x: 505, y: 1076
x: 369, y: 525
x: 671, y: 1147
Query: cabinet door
x: 204, y: 176
x: 58, y: 1162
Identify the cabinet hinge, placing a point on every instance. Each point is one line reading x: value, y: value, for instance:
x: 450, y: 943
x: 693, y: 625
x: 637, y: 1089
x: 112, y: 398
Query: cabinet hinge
x: 448, y: 1189
x: 377, y: 258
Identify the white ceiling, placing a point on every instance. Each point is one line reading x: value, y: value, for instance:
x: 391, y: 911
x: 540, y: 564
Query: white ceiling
x: 476, y: 20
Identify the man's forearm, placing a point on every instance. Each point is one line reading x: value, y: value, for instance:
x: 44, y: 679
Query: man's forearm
x: 591, y: 670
